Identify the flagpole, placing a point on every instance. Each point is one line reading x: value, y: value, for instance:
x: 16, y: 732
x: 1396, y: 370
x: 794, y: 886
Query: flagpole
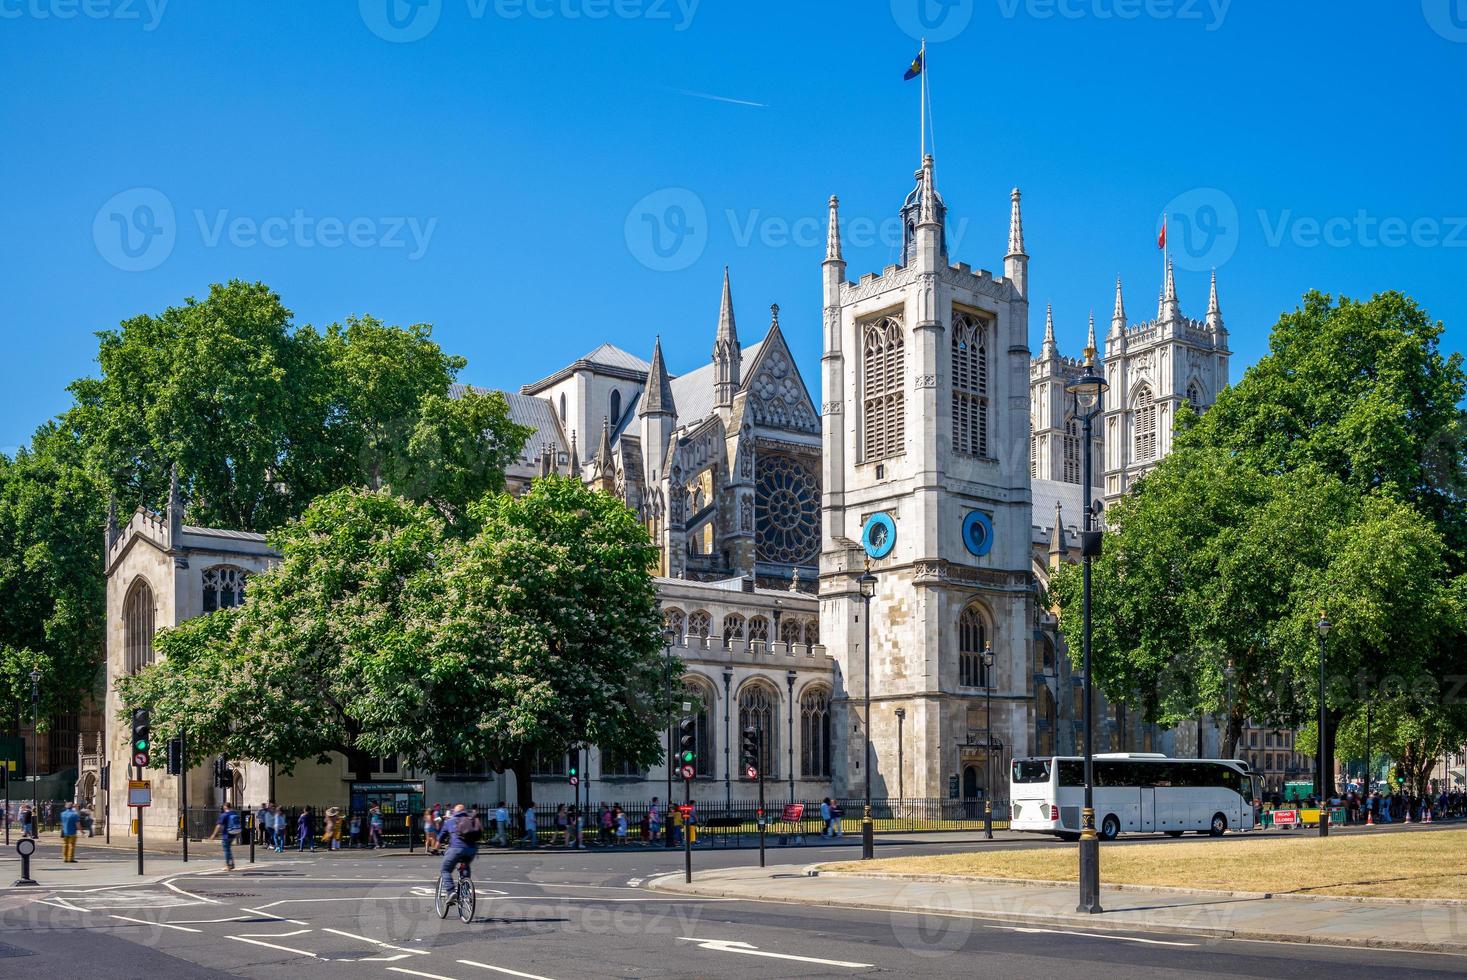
x: 922, y: 56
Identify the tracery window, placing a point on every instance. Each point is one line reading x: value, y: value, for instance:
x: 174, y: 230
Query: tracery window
x: 224, y: 587
x: 970, y: 385
x: 702, y: 696
x: 815, y: 734
x: 700, y: 624
x: 733, y: 628
x: 972, y: 640
x: 759, y: 709
x: 789, y: 631
x: 1072, y: 452
x: 786, y: 511
x: 1194, y: 396
x: 759, y: 630
x: 812, y: 632
x: 1144, y: 425
x: 137, y: 627
x: 675, y: 621
x: 883, y: 394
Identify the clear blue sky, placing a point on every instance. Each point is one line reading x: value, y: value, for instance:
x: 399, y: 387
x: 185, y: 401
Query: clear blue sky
x: 496, y: 176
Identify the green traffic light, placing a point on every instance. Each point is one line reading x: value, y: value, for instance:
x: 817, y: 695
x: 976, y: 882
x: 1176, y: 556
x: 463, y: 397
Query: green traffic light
x: 141, y: 745
x: 688, y: 757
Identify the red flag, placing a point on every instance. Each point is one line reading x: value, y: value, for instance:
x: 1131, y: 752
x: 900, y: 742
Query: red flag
x: 1161, y: 238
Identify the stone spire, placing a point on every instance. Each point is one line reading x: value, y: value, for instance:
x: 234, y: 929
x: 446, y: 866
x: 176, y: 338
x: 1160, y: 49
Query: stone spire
x: 575, y: 456
x: 1016, y: 262
x: 1214, y: 312
x: 1049, y: 349
x: 603, y: 470
x: 1057, y: 536
x: 1016, y: 224
x: 1170, y: 309
x: 727, y: 356
x: 1090, y: 347
x: 603, y: 452
x: 658, y: 397
x: 832, y: 236
x: 928, y: 213
x: 1118, y: 315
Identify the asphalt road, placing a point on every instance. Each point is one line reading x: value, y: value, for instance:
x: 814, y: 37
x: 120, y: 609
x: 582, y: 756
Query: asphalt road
x: 556, y: 914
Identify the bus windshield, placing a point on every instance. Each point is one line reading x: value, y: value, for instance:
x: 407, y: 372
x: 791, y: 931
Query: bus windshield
x: 1031, y: 770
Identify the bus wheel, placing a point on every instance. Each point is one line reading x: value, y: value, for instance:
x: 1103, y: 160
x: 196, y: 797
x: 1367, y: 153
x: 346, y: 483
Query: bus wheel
x: 1219, y: 825
x: 1110, y: 827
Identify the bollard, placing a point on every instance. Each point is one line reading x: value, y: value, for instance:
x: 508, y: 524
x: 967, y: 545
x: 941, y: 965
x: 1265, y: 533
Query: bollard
x: 410, y: 832
x: 25, y: 847
x: 250, y: 829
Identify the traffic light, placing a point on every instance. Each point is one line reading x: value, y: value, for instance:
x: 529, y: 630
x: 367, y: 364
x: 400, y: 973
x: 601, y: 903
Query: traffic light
x: 749, y: 752
x: 175, y: 756
x: 222, y: 777
x: 687, y: 755
x: 142, y: 736
x: 572, y: 767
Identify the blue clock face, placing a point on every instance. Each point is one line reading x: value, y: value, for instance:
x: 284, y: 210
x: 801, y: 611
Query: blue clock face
x: 977, y: 533
x: 878, y: 537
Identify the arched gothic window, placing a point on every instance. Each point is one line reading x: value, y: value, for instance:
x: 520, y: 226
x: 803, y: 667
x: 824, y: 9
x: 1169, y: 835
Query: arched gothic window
x: 700, y: 624
x: 703, y: 698
x: 733, y: 628
x: 972, y: 639
x: 137, y: 627
x: 815, y: 734
x: 1072, y: 452
x: 789, y: 630
x: 1144, y: 425
x: 224, y: 587
x: 562, y: 407
x: 1194, y: 396
x: 759, y: 630
x: 615, y: 407
x: 674, y: 620
x: 759, y: 708
x: 883, y: 393
x: 970, y: 385
x: 812, y: 632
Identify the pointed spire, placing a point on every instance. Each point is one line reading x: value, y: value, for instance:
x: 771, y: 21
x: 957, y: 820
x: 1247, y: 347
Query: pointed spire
x: 1161, y: 304
x: 575, y: 456
x: 1048, y: 349
x: 1016, y: 225
x: 658, y: 397
x: 928, y: 213
x: 726, y: 328
x: 1057, y: 532
x: 795, y: 580
x: 1090, y: 347
x: 1214, y: 311
x: 1118, y: 315
x: 832, y: 236
x: 727, y: 355
x: 603, y: 452
x: 1170, y: 309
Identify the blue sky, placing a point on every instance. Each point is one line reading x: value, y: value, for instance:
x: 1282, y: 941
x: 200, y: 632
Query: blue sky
x: 497, y: 167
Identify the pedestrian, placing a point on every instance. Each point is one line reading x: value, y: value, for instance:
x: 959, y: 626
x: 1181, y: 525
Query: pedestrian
x: 501, y: 825
x: 654, y: 820
x: 354, y: 831
x: 825, y: 817
x: 225, y: 828
x: 532, y: 832
x: 621, y: 826
x: 331, y: 837
x: 374, y: 827
x: 835, y: 814
x: 562, y: 828
x: 430, y: 832
x: 606, y: 823
x: 277, y: 825
x: 305, y: 829
x: 27, y: 821
x: 70, y: 821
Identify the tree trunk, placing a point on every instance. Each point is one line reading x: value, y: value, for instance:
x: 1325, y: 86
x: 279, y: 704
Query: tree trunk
x: 524, y: 789
x: 1234, y: 732
x: 361, y: 765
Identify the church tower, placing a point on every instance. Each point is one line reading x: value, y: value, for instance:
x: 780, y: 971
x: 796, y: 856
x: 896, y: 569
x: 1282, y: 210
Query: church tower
x: 926, y: 431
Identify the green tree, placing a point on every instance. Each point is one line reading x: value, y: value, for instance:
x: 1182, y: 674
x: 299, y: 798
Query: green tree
x: 327, y: 654
x: 549, y: 633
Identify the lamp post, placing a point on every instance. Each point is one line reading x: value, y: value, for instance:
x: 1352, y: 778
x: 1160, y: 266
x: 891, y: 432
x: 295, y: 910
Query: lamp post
x: 987, y: 741
x: 666, y: 800
x: 727, y: 738
x: 1087, y: 392
x: 868, y: 834
x: 1230, y: 672
x: 901, y: 716
x: 1323, y: 626
x: 35, y: 737
x: 789, y: 679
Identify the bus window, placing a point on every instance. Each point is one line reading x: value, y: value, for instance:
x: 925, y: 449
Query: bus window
x: 1031, y: 770
x: 1071, y: 772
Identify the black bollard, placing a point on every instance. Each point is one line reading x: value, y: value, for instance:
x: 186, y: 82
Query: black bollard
x: 25, y: 847
x: 250, y: 829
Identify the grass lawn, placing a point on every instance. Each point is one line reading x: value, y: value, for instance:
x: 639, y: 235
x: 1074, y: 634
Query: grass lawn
x: 1392, y: 865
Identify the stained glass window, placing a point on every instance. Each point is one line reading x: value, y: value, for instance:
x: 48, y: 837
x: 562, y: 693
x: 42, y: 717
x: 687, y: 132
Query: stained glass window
x: 786, y: 511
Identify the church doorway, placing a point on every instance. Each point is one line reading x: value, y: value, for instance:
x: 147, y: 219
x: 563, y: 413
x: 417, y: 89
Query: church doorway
x: 971, y: 792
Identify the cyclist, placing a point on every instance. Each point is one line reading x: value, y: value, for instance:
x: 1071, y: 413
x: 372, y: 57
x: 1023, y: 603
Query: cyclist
x: 459, y: 838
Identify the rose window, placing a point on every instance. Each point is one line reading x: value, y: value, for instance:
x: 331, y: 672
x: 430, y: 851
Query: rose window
x: 787, y: 511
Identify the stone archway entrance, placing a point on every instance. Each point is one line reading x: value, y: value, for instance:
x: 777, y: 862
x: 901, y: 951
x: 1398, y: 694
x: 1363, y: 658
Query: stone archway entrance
x: 972, y: 783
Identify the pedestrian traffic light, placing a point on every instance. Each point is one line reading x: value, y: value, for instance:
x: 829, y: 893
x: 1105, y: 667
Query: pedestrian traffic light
x: 749, y: 752
x: 222, y: 778
x: 142, y: 736
x: 572, y: 768
x: 688, y: 743
x: 175, y: 756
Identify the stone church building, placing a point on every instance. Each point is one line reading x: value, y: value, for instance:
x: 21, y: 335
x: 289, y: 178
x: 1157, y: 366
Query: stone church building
x: 767, y: 507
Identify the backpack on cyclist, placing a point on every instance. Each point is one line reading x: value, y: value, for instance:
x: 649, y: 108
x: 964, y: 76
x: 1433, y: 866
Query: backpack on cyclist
x: 471, y: 829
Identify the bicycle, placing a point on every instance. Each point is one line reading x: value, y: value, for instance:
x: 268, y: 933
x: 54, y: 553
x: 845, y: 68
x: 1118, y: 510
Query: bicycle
x: 461, y: 894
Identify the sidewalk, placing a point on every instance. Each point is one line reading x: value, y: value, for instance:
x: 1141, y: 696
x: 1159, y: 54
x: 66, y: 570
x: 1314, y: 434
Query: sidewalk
x: 1387, y: 924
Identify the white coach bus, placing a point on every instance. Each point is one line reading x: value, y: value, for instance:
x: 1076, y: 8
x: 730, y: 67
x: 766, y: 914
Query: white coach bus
x: 1134, y: 793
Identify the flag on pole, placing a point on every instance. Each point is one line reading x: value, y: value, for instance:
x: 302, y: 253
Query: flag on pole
x: 1161, y: 238
x: 916, y: 67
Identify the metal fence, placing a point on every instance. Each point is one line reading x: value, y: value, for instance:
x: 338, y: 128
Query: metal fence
x: 714, y: 825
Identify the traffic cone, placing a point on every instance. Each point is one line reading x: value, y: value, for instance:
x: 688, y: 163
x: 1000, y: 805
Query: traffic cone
x: 1370, y: 817
x: 1408, y: 813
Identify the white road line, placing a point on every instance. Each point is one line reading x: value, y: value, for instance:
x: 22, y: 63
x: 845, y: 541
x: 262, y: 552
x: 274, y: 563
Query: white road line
x: 160, y: 925
x: 748, y: 949
x: 361, y: 898
x: 634, y: 882
x: 276, y: 935
x: 285, y: 949
x: 171, y: 886
x: 274, y: 918
x: 418, y: 973
x: 505, y: 970
x: 227, y: 918
x: 376, y: 942
x: 1096, y: 935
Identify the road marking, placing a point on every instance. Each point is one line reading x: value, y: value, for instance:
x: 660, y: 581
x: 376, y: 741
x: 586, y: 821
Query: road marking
x: 170, y: 885
x: 286, y: 949
x: 418, y: 973
x: 274, y: 918
x: 377, y: 942
x: 227, y: 918
x: 501, y: 969
x: 1096, y: 935
x: 276, y: 935
x: 161, y: 925
x: 748, y: 949
x: 634, y: 882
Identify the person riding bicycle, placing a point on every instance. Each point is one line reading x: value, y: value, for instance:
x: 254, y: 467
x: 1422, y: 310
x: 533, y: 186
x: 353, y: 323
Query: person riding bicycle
x: 459, y: 838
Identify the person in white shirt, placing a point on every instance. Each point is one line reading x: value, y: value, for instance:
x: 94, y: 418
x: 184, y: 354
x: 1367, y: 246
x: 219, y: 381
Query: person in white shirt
x: 501, y: 824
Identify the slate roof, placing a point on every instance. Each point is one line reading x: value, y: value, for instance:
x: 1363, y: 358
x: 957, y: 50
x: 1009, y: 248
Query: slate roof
x: 693, y: 392
x: 528, y: 410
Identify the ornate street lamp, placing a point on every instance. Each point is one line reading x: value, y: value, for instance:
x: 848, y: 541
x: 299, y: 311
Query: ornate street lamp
x: 867, y: 582
x: 1087, y: 392
x: 668, y: 637
x: 1323, y: 626
x: 35, y: 738
x: 727, y: 747
x: 789, y: 679
x: 988, y: 741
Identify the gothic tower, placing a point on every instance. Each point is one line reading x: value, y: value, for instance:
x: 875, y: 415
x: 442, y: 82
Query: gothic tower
x: 926, y: 429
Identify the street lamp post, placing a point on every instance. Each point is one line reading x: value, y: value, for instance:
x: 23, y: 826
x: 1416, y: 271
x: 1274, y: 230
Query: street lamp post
x: 789, y: 679
x: 35, y: 737
x: 666, y: 800
x: 727, y: 738
x: 1323, y: 626
x: 987, y: 741
x: 1088, y: 392
x: 1230, y: 672
x: 868, y: 833
x: 901, y: 716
